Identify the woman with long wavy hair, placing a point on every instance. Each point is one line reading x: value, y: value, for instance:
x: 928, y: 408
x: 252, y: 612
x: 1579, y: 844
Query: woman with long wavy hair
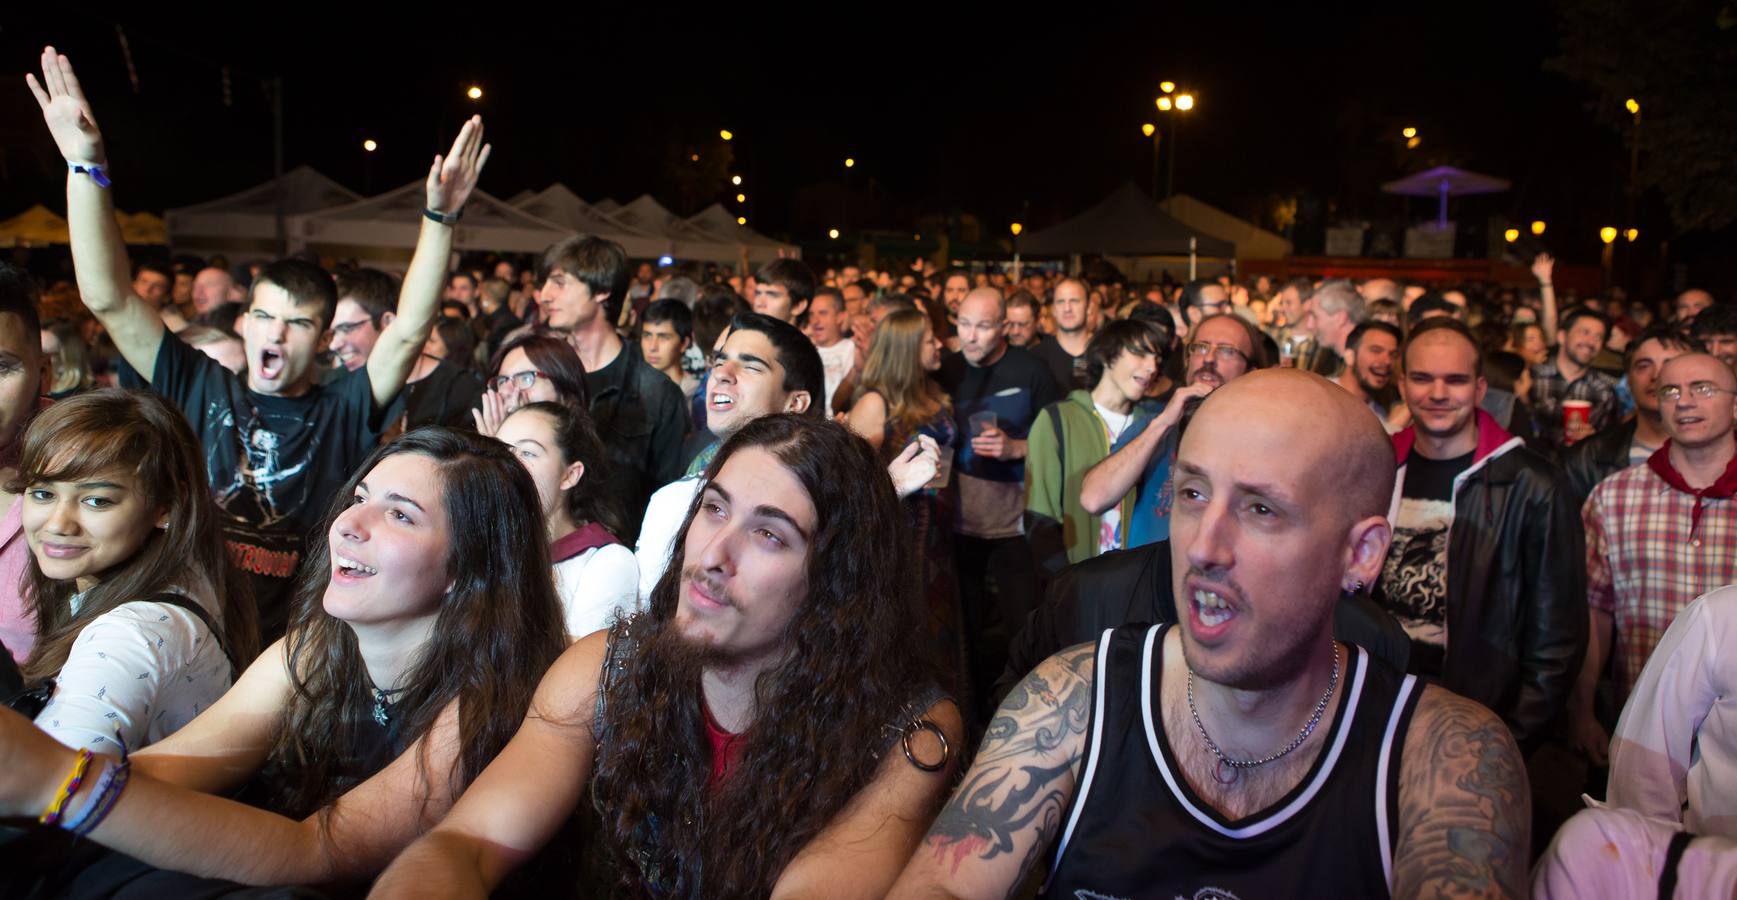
x: 765, y: 727
x: 422, y: 625
x: 141, y: 623
x: 895, y: 401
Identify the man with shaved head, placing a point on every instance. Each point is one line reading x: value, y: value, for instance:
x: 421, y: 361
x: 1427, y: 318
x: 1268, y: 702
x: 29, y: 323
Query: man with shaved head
x: 1662, y: 533
x: 997, y: 391
x: 1501, y: 618
x: 1244, y: 747
x: 1689, y: 304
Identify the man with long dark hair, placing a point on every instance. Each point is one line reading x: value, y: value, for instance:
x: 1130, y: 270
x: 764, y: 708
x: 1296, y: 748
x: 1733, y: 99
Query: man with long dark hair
x: 767, y: 726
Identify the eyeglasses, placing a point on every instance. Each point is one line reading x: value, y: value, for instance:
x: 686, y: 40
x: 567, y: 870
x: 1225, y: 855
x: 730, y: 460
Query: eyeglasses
x: 1211, y: 308
x: 1671, y: 393
x: 524, y: 381
x: 345, y: 329
x: 1224, y: 352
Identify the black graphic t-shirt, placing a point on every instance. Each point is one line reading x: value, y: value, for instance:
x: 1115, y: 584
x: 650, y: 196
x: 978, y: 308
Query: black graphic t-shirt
x: 1415, y: 575
x: 274, y: 463
x: 445, y: 397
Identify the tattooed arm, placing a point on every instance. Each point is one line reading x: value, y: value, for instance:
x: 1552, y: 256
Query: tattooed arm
x: 1010, y: 805
x: 1465, y: 809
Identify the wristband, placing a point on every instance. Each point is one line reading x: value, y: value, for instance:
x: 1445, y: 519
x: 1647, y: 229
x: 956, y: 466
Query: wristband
x: 450, y: 218
x: 1544, y: 284
x: 102, y: 799
x: 97, y: 173
x: 51, y: 815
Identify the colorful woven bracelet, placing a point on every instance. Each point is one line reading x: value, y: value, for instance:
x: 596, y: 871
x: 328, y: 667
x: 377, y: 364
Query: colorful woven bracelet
x: 51, y: 815
x: 103, y: 799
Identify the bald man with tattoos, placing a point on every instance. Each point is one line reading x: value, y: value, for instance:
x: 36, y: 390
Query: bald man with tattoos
x: 1244, y: 752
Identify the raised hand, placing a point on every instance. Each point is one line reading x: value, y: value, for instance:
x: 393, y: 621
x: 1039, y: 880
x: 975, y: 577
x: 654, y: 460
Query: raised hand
x: 66, y: 111
x: 494, y: 411
x: 453, y: 177
x: 1543, y: 266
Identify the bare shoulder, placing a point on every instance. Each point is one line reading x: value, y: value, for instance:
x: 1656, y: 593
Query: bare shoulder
x: 1464, y: 803
x: 568, y: 691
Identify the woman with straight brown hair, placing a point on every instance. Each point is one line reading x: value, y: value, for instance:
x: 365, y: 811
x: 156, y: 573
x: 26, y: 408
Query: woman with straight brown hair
x: 141, y: 624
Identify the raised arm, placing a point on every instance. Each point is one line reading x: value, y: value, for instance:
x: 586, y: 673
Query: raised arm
x: 451, y: 179
x: 521, y: 799
x: 1543, y: 268
x: 1007, y: 811
x: 99, y: 256
x: 1115, y: 475
x: 1465, y: 810
x: 173, y: 827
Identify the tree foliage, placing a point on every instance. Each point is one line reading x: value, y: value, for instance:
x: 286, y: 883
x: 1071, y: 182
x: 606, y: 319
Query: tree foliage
x: 1678, y: 59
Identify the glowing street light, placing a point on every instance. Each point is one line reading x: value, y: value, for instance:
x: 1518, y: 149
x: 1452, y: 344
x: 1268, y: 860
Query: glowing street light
x: 475, y: 93
x: 726, y: 135
x: 1607, y: 234
x: 848, y: 162
x: 1537, y: 226
x: 1185, y: 102
x: 741, y: 220
x: 693, y: 157
x: 1148, y: 128
x: 370, y: 146
x: 736, y: 180
x: 1633, y: 234
x: 1633, y: 106
x: 1164, y: 104
x: 1167, y: 86
x: 741, y: 198
x: 833, y: 233
x: 1511, y: 235
x: 1411, y: 143
x: 1409, y: 131
x: 1017, y: 228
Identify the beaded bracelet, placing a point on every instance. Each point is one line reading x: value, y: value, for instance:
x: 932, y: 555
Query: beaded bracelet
x: 102, y: 800
x: 51, y: 815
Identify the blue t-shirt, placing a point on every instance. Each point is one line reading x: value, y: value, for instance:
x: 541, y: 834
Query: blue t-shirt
x: 1152, y: 497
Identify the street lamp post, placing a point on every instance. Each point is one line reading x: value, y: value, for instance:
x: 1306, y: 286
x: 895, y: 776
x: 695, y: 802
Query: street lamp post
x: 1150, y: 130
x: 1168, y: 102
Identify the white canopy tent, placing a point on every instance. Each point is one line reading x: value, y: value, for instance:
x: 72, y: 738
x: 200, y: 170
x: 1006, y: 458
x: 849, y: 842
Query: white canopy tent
x: 686, y: 241
x: 720, y: 224
x: 247, y: 221
x: 606, y: 206
x: 557, y: 204
x: 386, y: 226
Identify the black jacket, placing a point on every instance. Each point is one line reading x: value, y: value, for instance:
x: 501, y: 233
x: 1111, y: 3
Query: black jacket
x: 1516, y: 583
x: 641, y: 417
x: 1598, y: 457
x: 1135, y: 586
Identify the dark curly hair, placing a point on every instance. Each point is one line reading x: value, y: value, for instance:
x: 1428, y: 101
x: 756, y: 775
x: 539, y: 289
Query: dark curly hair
x: 832, y: 707
x: 499, y: 628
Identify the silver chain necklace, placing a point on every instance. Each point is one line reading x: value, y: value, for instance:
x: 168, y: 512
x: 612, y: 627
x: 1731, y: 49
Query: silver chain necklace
x: 1236, y: 765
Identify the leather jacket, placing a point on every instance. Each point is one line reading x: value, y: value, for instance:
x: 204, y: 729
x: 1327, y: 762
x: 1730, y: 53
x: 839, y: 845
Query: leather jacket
x: 1516, y: 582
x: 1598, y: 457
x: 1135, y: 586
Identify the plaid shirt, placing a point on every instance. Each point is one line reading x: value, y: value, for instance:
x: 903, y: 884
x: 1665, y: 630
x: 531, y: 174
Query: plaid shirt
x: 1644, y: 565
x: 1550, y: 388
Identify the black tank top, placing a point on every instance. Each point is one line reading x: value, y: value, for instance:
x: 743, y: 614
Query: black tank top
x: 1136, y: 829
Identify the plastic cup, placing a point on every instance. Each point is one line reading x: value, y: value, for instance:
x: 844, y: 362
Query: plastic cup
x: 982, y: 421
x: 1576, y: 411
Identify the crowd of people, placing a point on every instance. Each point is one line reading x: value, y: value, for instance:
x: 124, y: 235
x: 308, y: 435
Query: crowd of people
x: 585, y: 576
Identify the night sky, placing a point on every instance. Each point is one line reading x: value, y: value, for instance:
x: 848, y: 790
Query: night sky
x: 1006, y: 118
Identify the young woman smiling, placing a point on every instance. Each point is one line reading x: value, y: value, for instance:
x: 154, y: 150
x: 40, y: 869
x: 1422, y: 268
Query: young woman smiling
x: 422, y: 625
x: 595, y: 574
x: 141, y: 624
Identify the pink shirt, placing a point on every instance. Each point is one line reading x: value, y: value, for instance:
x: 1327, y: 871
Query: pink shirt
x: 17, y: 627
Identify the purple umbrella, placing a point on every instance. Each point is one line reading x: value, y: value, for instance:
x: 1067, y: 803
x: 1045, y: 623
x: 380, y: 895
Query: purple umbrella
x: 1445, y: 182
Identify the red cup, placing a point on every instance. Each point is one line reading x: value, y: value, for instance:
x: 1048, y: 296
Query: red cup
x: 1576, y: 411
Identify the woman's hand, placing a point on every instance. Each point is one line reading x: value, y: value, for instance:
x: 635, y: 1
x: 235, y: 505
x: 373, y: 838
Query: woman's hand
x: 66, y: 111
x: 494, y: 411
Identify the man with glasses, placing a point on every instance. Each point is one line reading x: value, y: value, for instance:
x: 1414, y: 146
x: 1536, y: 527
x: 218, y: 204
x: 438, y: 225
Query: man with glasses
x: 1202, y: 298
x: 1075, y: 307
x: 1220, y: 348
x: 1660, y: 534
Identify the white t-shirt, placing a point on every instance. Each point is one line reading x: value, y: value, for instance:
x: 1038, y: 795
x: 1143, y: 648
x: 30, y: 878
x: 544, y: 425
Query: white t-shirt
x: 1110, y: 523
x: 597, y: 586
x: 835, y: 361
x: 143, y: 668
x: 664, y: 515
